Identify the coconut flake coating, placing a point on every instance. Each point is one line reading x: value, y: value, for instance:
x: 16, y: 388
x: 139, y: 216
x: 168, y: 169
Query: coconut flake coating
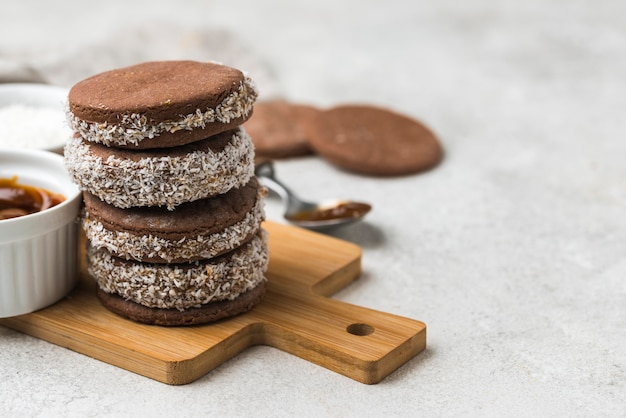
x: 182, y: 286
x: 129, y: 245
x: 127, y: 106
x: 164, y: 180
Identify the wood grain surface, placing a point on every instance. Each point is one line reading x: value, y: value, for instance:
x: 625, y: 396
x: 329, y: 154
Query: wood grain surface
x: 296, y: 316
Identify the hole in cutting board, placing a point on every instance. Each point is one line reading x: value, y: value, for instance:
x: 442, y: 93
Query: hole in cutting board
x: 360, y: 329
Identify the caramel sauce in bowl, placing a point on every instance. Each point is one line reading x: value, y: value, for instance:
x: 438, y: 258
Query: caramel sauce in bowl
x: 21, y: 199
x: 39, y: 207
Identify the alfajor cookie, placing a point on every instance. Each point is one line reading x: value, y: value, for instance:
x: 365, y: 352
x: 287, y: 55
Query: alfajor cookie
x: 160, y: 104
x: 210, y: 312
x: 277, y: 128
x: 373, y: 140
x: 185, y: 288
x: 161, y: 177
x: 202, y: 229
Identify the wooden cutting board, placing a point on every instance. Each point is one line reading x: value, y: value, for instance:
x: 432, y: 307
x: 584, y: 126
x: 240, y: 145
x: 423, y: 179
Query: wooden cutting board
x: 296, y: 316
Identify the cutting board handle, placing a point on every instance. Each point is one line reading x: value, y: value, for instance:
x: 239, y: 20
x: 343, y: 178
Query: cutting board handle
x: 363, y: 344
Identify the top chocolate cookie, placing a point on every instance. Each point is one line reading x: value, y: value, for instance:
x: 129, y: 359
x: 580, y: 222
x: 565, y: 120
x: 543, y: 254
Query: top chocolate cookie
x: 160, y: 104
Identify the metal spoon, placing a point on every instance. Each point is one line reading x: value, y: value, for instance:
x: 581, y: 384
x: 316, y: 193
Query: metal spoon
x: 317, y: 216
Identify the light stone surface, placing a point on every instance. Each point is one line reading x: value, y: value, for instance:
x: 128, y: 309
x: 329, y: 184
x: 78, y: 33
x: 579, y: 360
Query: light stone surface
x: 512, y: 251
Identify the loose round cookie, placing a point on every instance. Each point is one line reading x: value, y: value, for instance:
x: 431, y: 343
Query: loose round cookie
x: 182, y: 287
x: 375, y: 141
x: 202, y: 229
x: 277, y: 128
x: 160, y: 104
x: 161, y: 177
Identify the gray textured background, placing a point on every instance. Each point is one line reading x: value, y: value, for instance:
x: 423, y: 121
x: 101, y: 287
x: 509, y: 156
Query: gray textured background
x: 512, y: 251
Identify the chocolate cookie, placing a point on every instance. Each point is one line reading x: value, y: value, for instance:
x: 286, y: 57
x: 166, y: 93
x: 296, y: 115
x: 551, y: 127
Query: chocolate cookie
x: 182, y: 286
x: 160, y: 104
x: 277, y: 128
x: 202, y: 229
x: 162, y: 177
x: 210, y: 312
x: 375, y: 141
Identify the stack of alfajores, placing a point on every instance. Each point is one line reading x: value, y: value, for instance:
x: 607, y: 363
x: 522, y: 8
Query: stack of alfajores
x: 173, y: 210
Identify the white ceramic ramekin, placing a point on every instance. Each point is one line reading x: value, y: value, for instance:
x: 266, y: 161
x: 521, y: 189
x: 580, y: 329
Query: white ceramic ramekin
x: 35, y: 95
x: 38, y: 252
